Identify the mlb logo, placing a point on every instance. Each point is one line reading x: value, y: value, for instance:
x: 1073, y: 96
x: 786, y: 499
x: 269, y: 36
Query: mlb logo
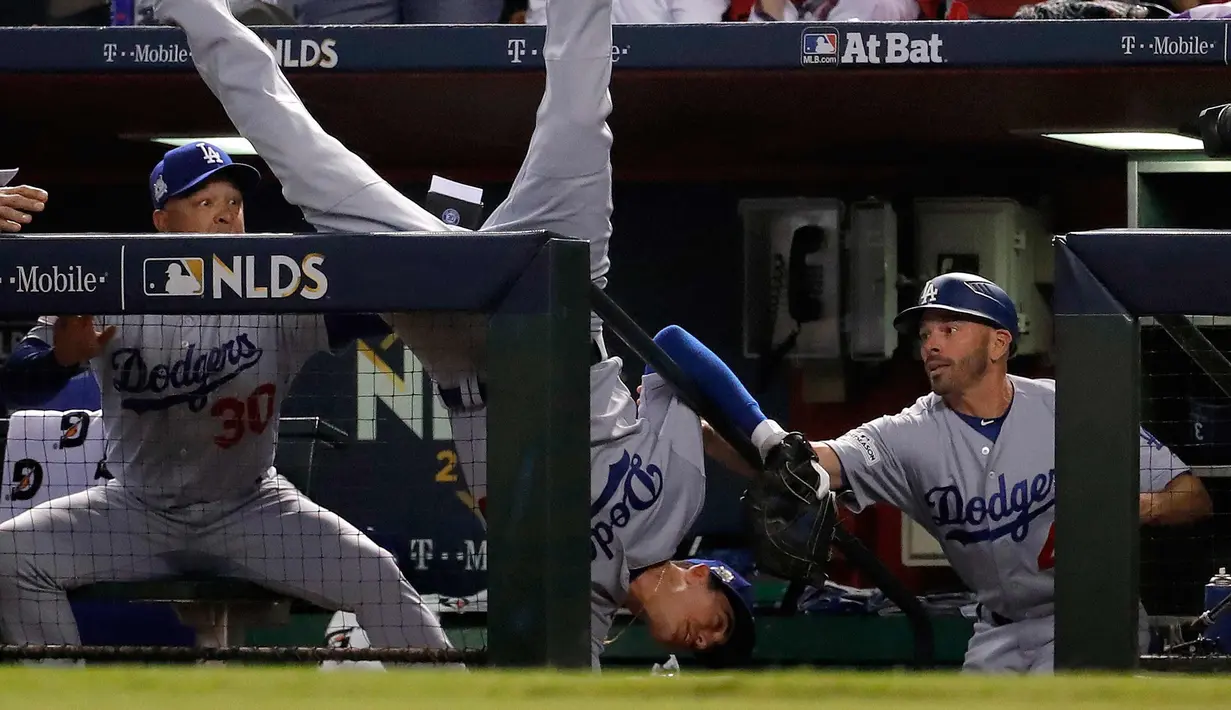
x: 184, y: 276
x: 820, y: 46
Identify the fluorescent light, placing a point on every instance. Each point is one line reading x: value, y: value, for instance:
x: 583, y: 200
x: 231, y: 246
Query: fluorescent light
x: 231, y: 144
x: 1129, y: 141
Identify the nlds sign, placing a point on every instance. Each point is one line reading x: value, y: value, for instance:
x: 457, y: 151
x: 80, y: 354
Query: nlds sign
x: 294, y: 54
x: 248, y: 277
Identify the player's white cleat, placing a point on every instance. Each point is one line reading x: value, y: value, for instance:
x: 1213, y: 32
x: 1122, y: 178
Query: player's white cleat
x: 344, y: 631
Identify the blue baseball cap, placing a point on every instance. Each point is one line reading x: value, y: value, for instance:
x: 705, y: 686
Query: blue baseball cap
x: 184, y: 168
x: 743, y: 632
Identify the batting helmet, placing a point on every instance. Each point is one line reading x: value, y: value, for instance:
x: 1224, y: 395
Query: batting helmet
x: 966, y: 294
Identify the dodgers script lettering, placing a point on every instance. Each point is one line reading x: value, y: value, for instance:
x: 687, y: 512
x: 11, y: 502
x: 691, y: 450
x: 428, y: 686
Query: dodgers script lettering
x: 202, y: 370
x: 980, y: 519
x: 640, y: 489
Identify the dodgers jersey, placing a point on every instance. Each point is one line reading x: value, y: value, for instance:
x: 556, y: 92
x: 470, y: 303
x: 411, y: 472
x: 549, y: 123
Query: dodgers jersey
x: 647, y: 485
x: 191, y: 403
x: 990, y: 504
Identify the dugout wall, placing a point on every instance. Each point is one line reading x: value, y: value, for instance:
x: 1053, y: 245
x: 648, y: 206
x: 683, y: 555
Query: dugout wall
x: 1107, y: 282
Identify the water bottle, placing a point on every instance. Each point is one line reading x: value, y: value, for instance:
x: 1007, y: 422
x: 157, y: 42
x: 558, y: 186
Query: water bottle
x: 1217, y: 590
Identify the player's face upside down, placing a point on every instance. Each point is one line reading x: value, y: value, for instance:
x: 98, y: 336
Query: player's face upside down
x: 956, y: 353
x: 217, y: 207
x: 689, y: 611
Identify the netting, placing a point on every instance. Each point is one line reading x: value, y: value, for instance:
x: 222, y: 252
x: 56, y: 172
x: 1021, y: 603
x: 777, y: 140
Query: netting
x: 1186, y: 461
x: 244, y: 483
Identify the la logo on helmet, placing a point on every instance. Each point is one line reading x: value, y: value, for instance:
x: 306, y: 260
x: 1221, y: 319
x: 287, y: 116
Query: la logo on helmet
x: 930, y: 292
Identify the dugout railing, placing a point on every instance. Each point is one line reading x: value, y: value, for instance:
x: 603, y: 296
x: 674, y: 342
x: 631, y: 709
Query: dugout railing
x: 1107, y: 284
x: 533, y: 287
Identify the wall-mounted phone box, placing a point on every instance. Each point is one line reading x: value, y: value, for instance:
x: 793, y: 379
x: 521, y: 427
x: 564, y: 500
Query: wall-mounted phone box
x: 792, y: 276
x: 872, y: 276
x: 997, y: 238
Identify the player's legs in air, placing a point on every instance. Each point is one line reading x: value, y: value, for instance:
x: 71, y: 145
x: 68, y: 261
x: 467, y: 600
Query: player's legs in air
x: 564, y: 186
x: 101, y: 534
x: 335, y: 189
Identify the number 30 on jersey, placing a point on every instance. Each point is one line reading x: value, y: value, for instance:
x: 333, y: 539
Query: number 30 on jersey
x: 239, y: 416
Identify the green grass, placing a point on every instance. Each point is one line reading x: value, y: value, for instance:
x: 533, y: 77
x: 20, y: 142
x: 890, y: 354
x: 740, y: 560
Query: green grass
x: 119, y: 688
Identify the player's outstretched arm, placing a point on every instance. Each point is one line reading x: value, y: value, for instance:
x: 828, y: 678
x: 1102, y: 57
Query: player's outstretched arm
x: 779, y: 449
x: 336, y: 190
x: 718, y: 383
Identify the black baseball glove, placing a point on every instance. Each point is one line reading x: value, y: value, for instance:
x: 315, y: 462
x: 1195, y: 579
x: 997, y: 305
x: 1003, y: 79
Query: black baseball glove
x: 793, y: 469
x: 792, y: 513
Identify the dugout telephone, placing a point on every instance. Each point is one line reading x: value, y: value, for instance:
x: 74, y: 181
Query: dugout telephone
x: 805, y: 280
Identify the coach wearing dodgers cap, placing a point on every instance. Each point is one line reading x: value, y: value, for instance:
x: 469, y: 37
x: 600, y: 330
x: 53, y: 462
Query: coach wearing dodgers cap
x: 198, y: 188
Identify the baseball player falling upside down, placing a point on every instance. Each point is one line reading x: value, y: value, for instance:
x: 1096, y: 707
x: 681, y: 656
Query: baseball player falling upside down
x: 645, y: 458
x: 974, y: 463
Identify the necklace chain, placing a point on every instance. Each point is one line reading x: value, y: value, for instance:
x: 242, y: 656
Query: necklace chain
x: 636, y: 616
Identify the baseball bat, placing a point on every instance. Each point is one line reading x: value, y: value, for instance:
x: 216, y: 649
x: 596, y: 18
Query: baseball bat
x: 1209, y: 616
x: 644, y: 347
x: 686, y: 389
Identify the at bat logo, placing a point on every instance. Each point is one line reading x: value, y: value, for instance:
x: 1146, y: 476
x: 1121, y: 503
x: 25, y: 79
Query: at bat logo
x: 633, y: 489
x: 27, y: 480
x: 74, y: 429
x: 1008, y: 511
x: 891, y: 48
